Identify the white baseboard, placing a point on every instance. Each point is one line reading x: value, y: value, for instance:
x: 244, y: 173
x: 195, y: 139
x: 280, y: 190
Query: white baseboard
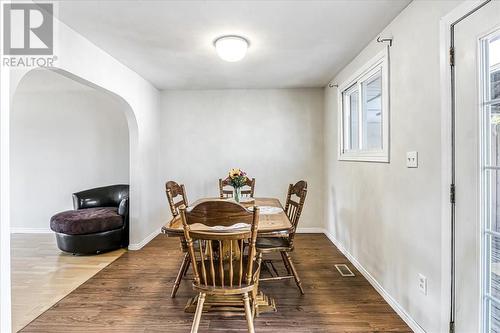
x: 15, y: 230
x: 312, y: 230
x: 375, y: 284
x: 133, y: 247
x: 138, y: 246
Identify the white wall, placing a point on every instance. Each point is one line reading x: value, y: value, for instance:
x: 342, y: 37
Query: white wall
x: 274, y: 135
x: 83, y: 61
x: 386, y: 216
x: 62, y: 142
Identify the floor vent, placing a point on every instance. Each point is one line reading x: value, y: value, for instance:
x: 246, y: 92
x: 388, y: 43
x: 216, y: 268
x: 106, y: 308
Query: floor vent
x: 344, y: 270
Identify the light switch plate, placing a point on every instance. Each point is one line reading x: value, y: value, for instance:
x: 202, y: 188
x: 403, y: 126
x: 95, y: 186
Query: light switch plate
x: 412, y: 159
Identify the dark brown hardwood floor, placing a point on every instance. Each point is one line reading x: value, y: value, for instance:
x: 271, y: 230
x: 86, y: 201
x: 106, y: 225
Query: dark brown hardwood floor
x: 133, y: 295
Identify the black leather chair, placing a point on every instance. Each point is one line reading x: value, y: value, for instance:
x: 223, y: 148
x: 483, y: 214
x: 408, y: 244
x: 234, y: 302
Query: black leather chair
x: 98, y: 223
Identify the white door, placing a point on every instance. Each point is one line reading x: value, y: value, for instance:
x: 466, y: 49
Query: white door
x: 477, y: 165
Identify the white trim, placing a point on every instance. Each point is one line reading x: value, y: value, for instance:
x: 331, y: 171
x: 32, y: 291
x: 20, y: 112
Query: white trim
x: 378, y: 287
x: 444, y: 47
x: 311, y: 230
x: 15, y: 230
x: 5, y: 282
x: 378, y: 63
x: 149, y: 238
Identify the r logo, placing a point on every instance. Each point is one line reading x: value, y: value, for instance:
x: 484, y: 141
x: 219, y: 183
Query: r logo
x: 28, y: 29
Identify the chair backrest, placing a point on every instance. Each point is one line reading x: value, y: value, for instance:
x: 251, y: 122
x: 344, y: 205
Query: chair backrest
x: 294, y: 202
x: 220, y: 254
x: 174, y: 191
x: 229, y: 193
x: 106, y: 196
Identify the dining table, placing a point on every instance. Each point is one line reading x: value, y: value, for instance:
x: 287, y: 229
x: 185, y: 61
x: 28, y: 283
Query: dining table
x: 272, y: 222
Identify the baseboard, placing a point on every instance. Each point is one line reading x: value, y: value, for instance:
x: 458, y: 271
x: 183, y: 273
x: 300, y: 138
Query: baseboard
x: 312, y: 230
x: 133, y: 247
x: 138, y: 246
x: 375, y: 284
x: 15, y: 230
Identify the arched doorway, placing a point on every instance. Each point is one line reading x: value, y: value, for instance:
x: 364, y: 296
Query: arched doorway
x: 66, y: 135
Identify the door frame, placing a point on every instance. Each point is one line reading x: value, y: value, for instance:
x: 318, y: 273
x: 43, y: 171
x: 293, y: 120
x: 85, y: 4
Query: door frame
x: 447, y: 158
x: 5, y: 289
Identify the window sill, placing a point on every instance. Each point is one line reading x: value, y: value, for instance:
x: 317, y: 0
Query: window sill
x: 364, y: 157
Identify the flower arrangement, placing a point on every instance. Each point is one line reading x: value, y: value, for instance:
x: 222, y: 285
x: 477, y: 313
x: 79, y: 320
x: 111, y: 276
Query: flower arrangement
x: 237, y: 178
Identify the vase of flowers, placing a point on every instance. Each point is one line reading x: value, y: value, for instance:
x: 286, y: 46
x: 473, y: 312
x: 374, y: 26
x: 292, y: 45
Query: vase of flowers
x: 237, y: 179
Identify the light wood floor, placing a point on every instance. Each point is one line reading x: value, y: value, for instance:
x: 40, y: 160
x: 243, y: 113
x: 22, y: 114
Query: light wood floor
x: 133, y: 295
x: 42, y: 274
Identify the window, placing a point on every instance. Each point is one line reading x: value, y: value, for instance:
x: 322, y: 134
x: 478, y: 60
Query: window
x: 364, y: 113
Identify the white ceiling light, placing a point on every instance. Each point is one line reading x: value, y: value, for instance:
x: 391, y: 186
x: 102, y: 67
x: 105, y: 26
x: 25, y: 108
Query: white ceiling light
x: 231, y: 48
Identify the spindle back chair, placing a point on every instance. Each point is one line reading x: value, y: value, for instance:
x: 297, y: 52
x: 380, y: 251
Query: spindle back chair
x: 224, y: 192
x: 173, y: 191
x: 295, y: 199
x: 177, y: 198
x: 221, y: 266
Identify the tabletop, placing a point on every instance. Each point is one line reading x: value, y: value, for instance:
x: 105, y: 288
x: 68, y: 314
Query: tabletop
x: 277, y: 223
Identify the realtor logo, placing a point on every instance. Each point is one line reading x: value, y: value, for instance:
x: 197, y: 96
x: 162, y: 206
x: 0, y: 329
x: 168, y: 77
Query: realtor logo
x: 28, y: 29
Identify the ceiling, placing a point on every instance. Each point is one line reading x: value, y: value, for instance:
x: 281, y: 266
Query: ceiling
x: 170, y: 43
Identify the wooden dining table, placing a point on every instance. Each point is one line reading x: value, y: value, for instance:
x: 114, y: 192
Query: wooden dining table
x: 275, y: 224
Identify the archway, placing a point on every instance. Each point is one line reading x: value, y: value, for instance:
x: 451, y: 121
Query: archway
x: 44, y: 109
x: 131, y: 122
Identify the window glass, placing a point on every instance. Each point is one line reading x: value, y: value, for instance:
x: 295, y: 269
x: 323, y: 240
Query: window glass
x: 351, y: 116
x: 354, y: 121
x: 372, y: 112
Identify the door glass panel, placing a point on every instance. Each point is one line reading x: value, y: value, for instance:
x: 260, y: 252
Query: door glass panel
x: 493, y: 286
x: 492, y: 134
x: 492, y: 324
x: 491, y: 246
x: 491, y: 182
x: 372, y: 112
x: 494, y: 63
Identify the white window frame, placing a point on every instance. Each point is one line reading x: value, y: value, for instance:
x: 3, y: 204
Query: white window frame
x: 378, y: 63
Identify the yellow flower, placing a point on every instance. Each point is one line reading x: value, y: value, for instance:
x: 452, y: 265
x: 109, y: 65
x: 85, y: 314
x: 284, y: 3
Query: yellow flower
x: 234, y: 173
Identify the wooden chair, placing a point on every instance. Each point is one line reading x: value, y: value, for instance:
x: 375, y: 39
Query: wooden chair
x: 229, y: 193
x: 176, y: 195
x: 284, y: 245
x: 221, y: 268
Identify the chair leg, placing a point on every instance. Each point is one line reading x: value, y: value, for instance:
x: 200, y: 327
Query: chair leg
x: 259, y: 264
x: 256, y: 287
x: 253, y: 302
x: 289, y: 271
x: 197, y: 314
x: 248, y: 313
x: 182, y: 270
x: 187, y: 266
x: 294, y: 271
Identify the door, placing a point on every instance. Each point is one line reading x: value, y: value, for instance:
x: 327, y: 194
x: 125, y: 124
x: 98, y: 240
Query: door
x: 477, y: 170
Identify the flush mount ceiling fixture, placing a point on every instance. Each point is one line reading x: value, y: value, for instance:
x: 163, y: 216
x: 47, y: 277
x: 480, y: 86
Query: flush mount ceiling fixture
x: 231, y: 48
